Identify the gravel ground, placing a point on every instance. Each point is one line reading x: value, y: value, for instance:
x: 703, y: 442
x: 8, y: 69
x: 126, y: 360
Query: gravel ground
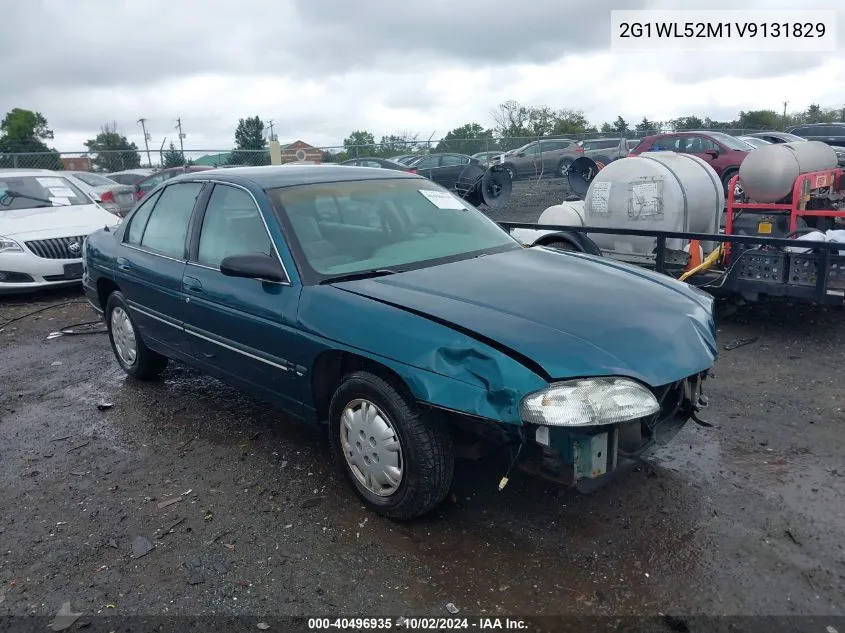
x: 745, y: 518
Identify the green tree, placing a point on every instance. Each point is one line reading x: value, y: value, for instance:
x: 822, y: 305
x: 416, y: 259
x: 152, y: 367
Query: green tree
x: 24, y: 132
x: 759, y: 120
x: 813, y: 114
x: 570, y: 123
x: 647, y: 127
x: 112, y: 151
x: 250, y: 143
x: 360, y: 143
x: 172, y: 157
x: 606, y: 128
x: 620, y: 126
x: 512, y: 119
x: 400, y: 143
x: 469, y: 138
x: 687, y: 123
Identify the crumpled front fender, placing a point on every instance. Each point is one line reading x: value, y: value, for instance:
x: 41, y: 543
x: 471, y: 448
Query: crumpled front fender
x: 441, y: 366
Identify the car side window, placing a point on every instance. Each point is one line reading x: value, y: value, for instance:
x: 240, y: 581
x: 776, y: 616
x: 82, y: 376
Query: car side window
x: 429, y: 162
x: 699, y: 145
x: 232, y: 225
x: 167, y: 228
x: 138, y: 221
x: 450, y: 160
x: 665, y: 144
x: 532, y: 149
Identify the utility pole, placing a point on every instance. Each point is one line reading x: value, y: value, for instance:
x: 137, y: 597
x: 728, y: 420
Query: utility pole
x: 181, y: 136
x: 270, y: 125
x: 143, y: 123
x: 785, y: 103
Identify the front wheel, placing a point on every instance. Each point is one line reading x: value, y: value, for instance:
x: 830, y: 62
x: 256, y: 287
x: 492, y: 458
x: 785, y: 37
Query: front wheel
x: 398, y: 461
x: 136, y: 359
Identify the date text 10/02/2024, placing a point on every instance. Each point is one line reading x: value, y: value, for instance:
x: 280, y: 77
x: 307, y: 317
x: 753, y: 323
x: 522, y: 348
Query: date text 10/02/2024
x: 419, y: 624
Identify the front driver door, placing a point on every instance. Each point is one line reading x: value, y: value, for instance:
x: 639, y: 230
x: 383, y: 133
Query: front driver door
x: 242, y: 330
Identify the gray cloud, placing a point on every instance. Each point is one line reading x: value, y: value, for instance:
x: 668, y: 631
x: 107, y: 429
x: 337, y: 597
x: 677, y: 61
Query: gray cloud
x: 91, y: 61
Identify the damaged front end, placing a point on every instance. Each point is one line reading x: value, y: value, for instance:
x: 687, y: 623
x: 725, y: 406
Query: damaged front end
x: 585, y: 444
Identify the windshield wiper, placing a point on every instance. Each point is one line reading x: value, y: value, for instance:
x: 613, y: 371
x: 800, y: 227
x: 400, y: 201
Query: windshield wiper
x: 9, y: 195
x: 364, y: 274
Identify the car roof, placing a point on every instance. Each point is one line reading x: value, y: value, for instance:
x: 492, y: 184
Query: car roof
x: 11, y: 172
x: 274, y: 176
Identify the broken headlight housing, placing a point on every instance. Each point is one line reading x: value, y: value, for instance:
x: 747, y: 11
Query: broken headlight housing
x: 589, y: 402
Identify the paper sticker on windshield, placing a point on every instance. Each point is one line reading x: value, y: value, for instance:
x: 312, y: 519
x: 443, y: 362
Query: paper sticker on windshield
x: 59, y: 202
x: 48, y: 183
x: 61, y: 192
x: 443, y: 199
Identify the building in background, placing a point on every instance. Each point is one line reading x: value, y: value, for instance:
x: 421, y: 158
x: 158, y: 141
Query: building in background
x: 77, y: 163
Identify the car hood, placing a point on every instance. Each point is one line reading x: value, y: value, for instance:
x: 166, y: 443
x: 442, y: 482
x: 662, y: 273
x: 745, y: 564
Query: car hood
x: 564, y: 314
x: 66, y: 220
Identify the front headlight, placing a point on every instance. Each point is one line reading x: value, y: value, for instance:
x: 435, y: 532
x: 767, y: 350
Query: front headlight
x: 8, y: 245
x: 589, y: 402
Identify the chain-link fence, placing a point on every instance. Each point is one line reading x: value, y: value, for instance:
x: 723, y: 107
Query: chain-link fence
x: 119, y: 160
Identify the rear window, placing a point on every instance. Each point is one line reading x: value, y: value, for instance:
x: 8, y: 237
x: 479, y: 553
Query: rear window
x: 94, y: 180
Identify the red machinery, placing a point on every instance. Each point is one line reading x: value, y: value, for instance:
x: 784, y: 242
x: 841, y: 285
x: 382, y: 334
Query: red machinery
x: 811, y: 194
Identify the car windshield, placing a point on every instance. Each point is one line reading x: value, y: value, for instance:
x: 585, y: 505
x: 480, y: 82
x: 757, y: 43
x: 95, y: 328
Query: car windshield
x: 731, y: 142
x: 46, y: 190
x: 756, y: 142
x: 340, y: 228
x: 94, y: 180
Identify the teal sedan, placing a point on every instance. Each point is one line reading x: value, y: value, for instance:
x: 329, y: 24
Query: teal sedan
x: 389, y: 311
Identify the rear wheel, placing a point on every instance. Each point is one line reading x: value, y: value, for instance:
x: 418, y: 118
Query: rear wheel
x: 398, y: 460
x: 136, y: 359
x: 726, y: 179
x: 563, y: 167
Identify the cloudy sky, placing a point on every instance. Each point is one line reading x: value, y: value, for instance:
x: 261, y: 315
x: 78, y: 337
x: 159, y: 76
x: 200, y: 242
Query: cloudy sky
x: 322, y: 68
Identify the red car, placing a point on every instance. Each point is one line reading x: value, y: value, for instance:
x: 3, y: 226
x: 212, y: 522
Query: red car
x: 144, y: 186
x: 723, y: 152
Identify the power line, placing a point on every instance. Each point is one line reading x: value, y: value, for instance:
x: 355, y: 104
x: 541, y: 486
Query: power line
x: 143, y: 123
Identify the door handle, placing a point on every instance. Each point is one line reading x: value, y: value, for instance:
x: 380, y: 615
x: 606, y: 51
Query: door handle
x: 123, y: 264
x: 192, y: 283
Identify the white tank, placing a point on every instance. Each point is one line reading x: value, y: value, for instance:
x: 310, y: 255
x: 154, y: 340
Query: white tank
x: 658, y: 191
x: 768, y: 173
x: 569, y: 213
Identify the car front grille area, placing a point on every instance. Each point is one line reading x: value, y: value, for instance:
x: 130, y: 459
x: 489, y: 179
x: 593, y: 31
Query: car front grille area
x: 58, y: 247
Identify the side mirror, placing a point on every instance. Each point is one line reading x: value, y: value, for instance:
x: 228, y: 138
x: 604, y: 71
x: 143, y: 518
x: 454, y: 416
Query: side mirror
x: 253, y: 266
x: 713, y: 153
x: 521, y: 154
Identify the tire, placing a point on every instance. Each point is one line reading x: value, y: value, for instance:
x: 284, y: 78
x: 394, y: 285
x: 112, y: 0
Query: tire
x: 563, y: 167
x: 145, y: 364
x: 424, y: 447
x: 726, y: 179
x: 511, y: 171
x: 562, y: 245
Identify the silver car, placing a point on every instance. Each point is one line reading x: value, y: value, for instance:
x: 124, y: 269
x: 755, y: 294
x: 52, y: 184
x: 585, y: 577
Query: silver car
x: 112, y: 196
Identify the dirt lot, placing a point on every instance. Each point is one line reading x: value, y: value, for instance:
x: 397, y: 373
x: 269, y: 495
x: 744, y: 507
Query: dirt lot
x: 747, y: 517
